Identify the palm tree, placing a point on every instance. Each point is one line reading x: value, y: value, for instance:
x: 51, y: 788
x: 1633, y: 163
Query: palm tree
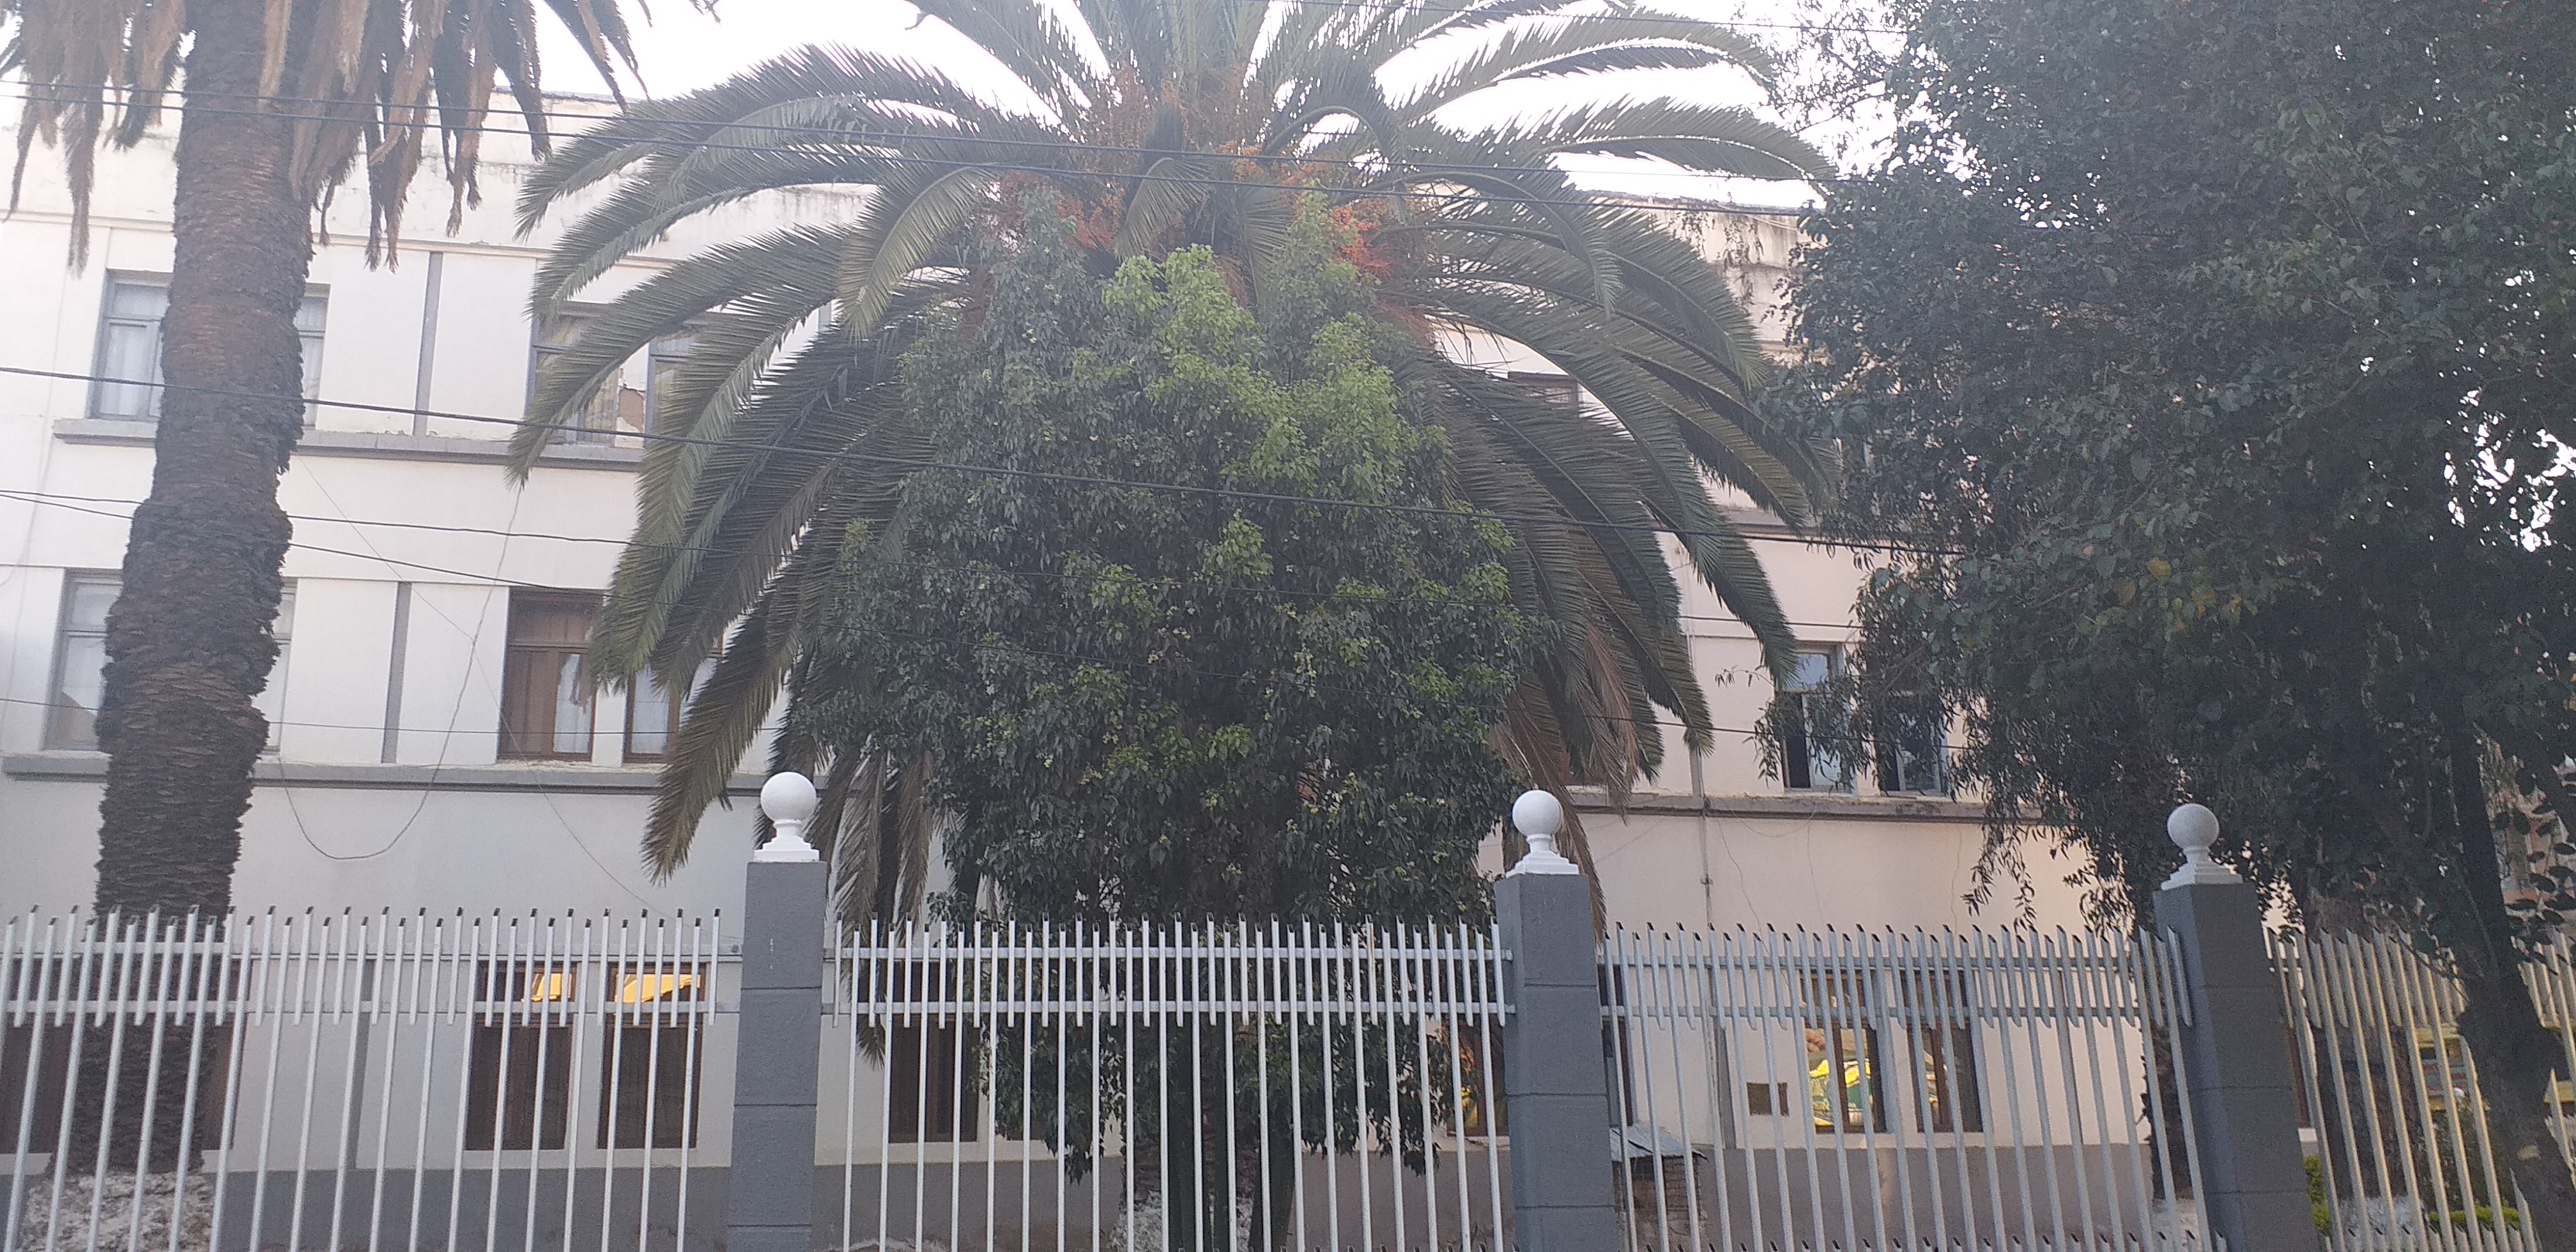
x: 1160, y: 123
x: 279, y: 101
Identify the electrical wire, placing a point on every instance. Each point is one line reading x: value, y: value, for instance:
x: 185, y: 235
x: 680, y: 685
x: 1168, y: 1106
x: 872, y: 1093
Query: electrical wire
x: 867, y: 137
x: 915, y: 463
x: 47, y: 497
x: 988, y: 645
x: 1051, y: 171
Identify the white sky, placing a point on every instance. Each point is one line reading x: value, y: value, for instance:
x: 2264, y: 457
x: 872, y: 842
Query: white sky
x: 682, y: 49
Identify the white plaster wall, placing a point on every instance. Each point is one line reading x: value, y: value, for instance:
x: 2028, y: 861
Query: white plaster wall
x: 446, y: 825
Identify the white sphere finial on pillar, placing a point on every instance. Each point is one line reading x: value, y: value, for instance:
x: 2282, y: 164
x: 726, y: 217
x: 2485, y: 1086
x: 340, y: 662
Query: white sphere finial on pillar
x: 2193, y: 828
x: 788, y: 799
x: 1539, y: 816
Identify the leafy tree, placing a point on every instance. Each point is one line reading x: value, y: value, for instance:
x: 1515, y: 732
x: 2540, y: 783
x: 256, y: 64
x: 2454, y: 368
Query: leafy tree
x: 2209, y: 366
x: 282, y: 100
x: 1175, y: 123
x: 1222, y: 702
x: 1268, y: 696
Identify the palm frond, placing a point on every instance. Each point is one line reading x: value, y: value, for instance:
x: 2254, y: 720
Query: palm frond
x: 1201, y: 93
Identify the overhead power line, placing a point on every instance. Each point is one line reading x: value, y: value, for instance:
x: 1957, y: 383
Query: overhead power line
x: 1432, y: 172
x: 845, y: 135
x: 916, y: 463
x: 978, y: 571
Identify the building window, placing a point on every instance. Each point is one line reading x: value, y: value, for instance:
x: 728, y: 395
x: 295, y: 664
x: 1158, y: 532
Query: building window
x: 129, y: 349
x: 1812, y: 726
x: 1843, y: 1088
x: 1846, y: 1054
x: 648, y: 1074
x: 527, y: 1050
x: 653, y: 713
x: 80, y: 665
x: 1556, y: 389
x: 597, y: 418
x: 931, y: 1077
x: 518, y: 1085
x: 1911, y: 751
x: 546, y: 696
x: 662, y: 369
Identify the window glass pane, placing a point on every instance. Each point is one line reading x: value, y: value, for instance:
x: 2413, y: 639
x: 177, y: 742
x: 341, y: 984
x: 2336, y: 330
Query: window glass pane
x: 88, y: 602
x: 1813, y: 669
x: 84, y: 666
x: 648, y: 719
x: 80, y: 666
x: 572, y: 707
x: 131, y: 351
x: 144, y: 301
x: 308, y: 329
x: 561, y: 332
x: 271, y: 700
x: 1811, y: 755
x: 652, y: 716
x: 550, y: 624
x: 662, y: 367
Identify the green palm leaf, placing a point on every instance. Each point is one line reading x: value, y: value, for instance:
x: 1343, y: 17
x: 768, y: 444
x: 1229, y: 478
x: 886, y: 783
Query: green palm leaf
x: 1204, y: 121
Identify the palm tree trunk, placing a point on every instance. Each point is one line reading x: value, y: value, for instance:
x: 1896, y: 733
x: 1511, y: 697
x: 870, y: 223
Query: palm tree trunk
x: 188, y: 643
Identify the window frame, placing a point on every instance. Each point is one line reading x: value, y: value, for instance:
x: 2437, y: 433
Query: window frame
x: 657, y: 354
x: 309, y: 343
x: 1921, y: 1030
x: 507, y: 736
x: 55, y: 707
x: 602, y: 420
x: 274, y: 691
x: 1890, y: 756
x: 1801, y: 757
x: 677, y: 709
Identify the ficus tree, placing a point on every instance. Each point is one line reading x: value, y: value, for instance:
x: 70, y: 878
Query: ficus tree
x: 1263, y: 689
x: 2205, y: 369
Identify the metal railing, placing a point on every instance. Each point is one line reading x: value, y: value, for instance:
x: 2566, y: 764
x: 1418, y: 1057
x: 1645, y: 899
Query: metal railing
x: 1980, y: 1090
x: 1168, y: 1088
x: 344, y: 1081
x: 2402, y: 1150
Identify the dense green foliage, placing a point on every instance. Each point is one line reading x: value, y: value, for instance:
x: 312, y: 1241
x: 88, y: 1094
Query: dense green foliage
x: 2210, y: 363
x: 1169, y: 124
x: 1213, y: 703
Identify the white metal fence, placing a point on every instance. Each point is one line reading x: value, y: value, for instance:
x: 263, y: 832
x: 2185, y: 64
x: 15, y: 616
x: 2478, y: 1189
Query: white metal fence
x: 2392, y: 1097
x: 313, y: 1081
x: 1813, y: 1090
x: 1168, y: 1088
x: 417, y: 1082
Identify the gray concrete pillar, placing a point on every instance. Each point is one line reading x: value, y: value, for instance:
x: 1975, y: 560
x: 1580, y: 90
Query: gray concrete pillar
x: 1555, y: 1093
x: 769, y: 1202
x: 2234, y: 1054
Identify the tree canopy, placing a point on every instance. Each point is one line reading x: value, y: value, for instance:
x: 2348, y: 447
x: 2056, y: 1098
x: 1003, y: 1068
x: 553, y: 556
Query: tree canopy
x: 2207, y: 367
x: 1170, y: 124
x: 1216, y: 697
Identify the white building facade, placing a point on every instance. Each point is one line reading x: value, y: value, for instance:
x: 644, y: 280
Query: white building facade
x: 437, y: 745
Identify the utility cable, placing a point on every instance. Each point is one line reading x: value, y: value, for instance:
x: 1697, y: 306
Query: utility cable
x: 1051, y: 171
x: 838, y: 136
x: 47, y: 497
x: 916, y: 463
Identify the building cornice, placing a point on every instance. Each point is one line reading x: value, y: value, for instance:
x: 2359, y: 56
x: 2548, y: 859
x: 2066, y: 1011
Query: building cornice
x: 374, y: 445
x: 556, y: 779
x: 1795, y: 808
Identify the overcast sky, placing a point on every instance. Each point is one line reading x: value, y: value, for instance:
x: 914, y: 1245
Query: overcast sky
x: 682, y: 49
